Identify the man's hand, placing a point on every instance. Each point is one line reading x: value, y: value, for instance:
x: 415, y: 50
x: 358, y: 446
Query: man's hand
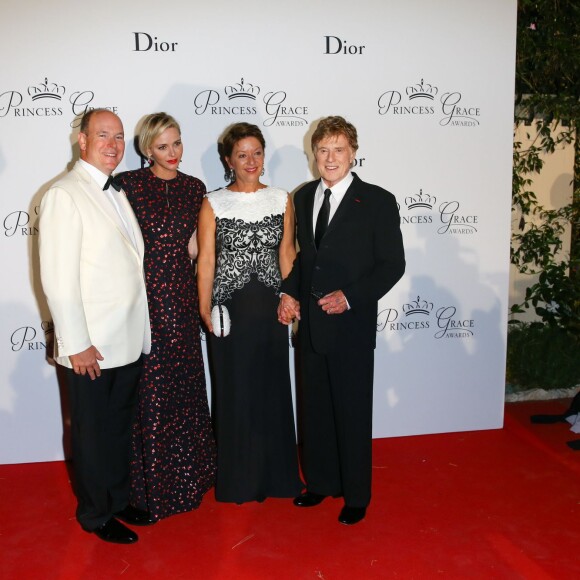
x: 87, y: 361
x: 288, y: 309
x: 334, y: 303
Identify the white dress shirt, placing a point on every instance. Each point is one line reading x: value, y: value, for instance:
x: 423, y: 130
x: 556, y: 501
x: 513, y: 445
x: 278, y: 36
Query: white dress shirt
x: 338, y: 190
x: 111, y: 193
x: 337, y: 193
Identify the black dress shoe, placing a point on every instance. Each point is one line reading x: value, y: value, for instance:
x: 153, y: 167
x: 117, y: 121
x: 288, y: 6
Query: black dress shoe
x: 548, y: 419
x: 135, y: 516
x: 114, y: 531
x: 574, y: 444
x: 351, y: 515
x: 308, y: 499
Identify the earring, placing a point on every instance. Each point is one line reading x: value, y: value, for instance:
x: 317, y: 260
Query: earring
x: 230, y: 175
x: 261, y: 174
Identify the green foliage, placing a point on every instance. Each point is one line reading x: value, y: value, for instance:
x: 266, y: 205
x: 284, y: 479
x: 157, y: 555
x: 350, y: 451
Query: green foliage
x: 547, y: 94
x: 555, y: 298
x: 542, y: 356
x: 548, y: 51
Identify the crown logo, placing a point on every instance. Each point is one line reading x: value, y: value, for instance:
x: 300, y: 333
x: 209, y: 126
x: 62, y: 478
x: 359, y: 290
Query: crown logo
x: 248, y: 91
x: 46, y: 90
x: 418, y: 307
x: 421, y: 90
x: 414, y: 201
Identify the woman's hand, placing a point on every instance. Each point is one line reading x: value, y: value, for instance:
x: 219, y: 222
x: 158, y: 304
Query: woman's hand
x: 206, y: 319
x: 205, y: 261
x: 288, y: 309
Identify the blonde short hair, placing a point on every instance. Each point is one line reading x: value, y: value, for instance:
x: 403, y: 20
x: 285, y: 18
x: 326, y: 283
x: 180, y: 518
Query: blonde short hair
x: 153, y: 125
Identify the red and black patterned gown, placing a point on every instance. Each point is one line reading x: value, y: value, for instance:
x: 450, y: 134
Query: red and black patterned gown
x: 173, y: 453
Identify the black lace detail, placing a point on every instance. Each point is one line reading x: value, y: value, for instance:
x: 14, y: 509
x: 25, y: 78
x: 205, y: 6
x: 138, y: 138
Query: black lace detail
x: 245, y: 248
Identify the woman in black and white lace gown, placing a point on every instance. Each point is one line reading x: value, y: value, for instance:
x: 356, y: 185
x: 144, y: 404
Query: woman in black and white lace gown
x: 246, y: 246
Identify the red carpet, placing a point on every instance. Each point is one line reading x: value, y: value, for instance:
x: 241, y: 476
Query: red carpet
x: 491, y: 504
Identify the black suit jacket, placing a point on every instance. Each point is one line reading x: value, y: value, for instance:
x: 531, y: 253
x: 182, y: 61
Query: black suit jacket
x: 361, y: 254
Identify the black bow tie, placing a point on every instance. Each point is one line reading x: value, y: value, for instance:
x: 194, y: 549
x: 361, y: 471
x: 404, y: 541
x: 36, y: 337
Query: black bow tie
x: 112, y: 183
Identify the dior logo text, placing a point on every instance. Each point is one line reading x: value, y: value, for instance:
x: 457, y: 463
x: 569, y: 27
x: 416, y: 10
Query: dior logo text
x: 334, y: 45
x: 145, y: 42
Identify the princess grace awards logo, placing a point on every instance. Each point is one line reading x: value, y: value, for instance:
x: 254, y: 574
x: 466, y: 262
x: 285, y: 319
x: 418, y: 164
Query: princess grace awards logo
x: 246, y: 98
x: 418, y: 209
x: 455, y: 222
x: 20, y: 223
x: 424, y: 210
x: 47, y: 99
x: 421, y: 315
x: 27, y: 338
x: 426, y: 100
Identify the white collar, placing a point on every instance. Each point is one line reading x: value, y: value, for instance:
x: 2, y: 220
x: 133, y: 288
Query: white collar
x: 338, y: 189
x: 99, y: 177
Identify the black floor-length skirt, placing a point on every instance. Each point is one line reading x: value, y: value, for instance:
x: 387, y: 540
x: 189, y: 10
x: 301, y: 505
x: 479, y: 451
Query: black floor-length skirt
x: 252, y: 401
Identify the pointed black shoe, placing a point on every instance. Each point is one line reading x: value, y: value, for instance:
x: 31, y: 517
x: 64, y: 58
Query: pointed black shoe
x: 351, y: 515
x: 308, y: 499
x: 548, y: 419
x: 135, y: 516
x: 115, y: 532
x: 575, y: 444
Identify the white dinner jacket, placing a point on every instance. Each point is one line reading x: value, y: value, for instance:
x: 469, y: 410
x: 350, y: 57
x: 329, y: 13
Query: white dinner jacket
x: 92, y: 273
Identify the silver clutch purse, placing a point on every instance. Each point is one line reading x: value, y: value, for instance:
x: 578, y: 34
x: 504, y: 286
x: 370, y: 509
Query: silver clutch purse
x: 220, y: 320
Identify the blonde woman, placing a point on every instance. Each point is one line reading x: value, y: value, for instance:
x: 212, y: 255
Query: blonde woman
x: 173, y: 462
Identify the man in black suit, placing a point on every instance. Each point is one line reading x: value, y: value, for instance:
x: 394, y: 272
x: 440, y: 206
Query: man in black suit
x: 351, y: 254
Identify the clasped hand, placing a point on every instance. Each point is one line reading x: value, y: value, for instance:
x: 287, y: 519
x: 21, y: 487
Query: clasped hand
x: 288, y: 309
x: 332, y: 303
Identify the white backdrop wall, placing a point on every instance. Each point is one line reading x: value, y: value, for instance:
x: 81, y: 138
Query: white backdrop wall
x: 429, y: 85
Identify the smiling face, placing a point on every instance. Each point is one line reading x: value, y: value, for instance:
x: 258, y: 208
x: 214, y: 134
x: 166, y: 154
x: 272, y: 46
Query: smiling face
x: 334, y: 158
x: 166, y: 152
x: 103, y: 145
x: 247, y: 159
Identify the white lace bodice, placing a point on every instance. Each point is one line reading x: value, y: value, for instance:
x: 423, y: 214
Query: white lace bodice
x: 249, y: 229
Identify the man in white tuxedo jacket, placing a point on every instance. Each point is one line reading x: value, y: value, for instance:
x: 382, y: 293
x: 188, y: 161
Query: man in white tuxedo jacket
x: 91, y: 258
